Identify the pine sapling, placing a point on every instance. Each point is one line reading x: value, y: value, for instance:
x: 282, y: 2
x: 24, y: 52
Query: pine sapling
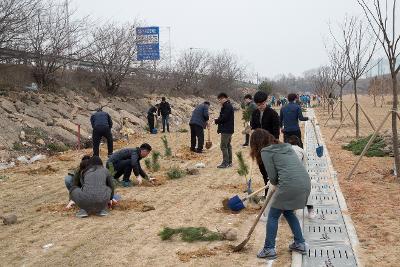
x: 243, y: 169
x: 168, y: 151
x: 155, y: 157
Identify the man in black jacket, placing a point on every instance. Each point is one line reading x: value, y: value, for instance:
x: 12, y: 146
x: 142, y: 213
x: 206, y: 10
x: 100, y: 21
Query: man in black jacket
x: 226, y: 125
x: 266, y: 118
x: 164, y: 110
x: 101, y: 124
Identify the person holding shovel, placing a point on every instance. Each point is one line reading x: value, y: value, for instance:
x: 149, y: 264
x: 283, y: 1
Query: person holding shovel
x: 226, y: 126
x: 151, y: 113
x: 198, y: 122
x: 290, y: 116
x: 292, y: 183
x: 250, y: 106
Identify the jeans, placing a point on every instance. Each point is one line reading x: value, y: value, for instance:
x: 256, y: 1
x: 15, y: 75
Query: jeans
x: 272, y: 226
x: 69, y: 181
x: 165, y: 121
x: 297, y: 133
x: 196, y: 134
x: 247, y: 140
x: 123, y: 167
x: 226, y: 148
x: 98, y: 133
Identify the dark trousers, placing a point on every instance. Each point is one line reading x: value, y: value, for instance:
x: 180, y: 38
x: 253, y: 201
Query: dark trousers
x: 165, y: 122
x: 123, y: 167
x: 226, y: 148
x: 98, y: 133
x: 264, y: 175
x: 150, y: 120
x: 247, y: 140
x: 196, y: 136
x: 297, y: 133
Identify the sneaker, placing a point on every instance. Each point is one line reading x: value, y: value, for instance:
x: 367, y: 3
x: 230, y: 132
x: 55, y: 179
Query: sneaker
x: 311, y: 214
x: 267, y: 253
x: 102, y: 213
x: 82, y: 214
x: 300, y: 248
x: 199, y: 151
x: 230, y: 165
x: 126, y: 183
x: 223, y: 166
x: 193, y: 149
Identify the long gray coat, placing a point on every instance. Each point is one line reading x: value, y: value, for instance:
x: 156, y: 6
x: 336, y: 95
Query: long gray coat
x: 288, y: 174
x: 97, y: 189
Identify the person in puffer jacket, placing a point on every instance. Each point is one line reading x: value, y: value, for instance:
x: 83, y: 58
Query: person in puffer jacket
x: 198, y: 122
x: 101, y: 123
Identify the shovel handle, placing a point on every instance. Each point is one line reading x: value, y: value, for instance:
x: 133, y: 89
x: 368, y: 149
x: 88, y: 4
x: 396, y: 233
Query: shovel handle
x: 209, y: 135
x: 315, y: 131
x: 255, y: 192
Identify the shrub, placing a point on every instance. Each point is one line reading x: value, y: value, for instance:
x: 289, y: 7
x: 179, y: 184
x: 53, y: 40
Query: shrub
x: 176, y: 173
x: 57, y: 147
x: 191, y: 234
x: 183, y: 130
x: 243, y: 169
x: 17, y: 146
x: 358, y: 145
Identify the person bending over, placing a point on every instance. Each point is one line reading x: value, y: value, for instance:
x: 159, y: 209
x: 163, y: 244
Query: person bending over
x: 126, y: 160
x: 292, y: 184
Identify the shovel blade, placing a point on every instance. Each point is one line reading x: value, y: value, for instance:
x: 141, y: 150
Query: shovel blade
x: 320, y: 151
x: 241, y: 245
x: 235, y: 203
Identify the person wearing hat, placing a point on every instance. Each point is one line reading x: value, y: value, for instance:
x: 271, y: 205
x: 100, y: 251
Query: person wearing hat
x: 101, y: 123
x: 264, y: 117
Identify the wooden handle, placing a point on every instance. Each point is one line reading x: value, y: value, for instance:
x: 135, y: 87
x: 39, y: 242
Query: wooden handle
x: 209, y: 135
x: 267, y: 199
x: 255, y: 192
x: 315, y: 131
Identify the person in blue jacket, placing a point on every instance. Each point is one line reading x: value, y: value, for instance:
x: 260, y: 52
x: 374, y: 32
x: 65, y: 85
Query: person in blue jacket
x: 290, y: 115
x: 101, y: 123
x: 198, y: 122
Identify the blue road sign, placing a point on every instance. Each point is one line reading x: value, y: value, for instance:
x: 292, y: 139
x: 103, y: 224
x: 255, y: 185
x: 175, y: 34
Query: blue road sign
x: 148, y: 45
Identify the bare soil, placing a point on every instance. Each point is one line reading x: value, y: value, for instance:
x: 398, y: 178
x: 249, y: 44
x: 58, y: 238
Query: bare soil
x: 372, y: 194
x: 129, y: 236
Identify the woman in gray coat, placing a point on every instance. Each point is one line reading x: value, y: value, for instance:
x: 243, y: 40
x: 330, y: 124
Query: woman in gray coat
x: 97, y: 189
x: 293, y: 187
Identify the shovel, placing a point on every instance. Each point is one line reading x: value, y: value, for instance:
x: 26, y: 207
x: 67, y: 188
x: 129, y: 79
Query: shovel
x: 320, y: 149
x: 208, y: 143
x: 241, y: 245
x: 236, y: 203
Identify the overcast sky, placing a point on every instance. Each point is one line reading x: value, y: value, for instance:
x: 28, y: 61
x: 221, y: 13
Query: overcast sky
x: 270, y: 36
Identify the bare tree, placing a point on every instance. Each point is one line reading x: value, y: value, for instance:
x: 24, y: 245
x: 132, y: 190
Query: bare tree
x: 359, y: 46
x: 54, y: 39
x: 113, y: 52
x: 338, y: 62
x: 223, y: 73
x: 382, y: 20
x: 323, y: 81
x: 14, y: 17
x: 191, y: 68
x: 377, y: 87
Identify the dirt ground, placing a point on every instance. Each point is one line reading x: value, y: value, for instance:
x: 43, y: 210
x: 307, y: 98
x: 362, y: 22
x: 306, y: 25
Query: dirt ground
x: 46, y: 235
x: 372, y: 194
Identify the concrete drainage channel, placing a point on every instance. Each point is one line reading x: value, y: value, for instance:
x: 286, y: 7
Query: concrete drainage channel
x: 331, y: 237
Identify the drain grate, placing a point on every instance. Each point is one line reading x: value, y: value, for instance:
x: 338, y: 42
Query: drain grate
x: 329, y: 256
x: 322, y: 187
x: 324, y: 199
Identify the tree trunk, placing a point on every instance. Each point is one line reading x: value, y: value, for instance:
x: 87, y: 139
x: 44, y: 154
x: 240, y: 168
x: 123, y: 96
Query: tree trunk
x: 341, y: 103
x: 394, y: 127
x: 357, y: 109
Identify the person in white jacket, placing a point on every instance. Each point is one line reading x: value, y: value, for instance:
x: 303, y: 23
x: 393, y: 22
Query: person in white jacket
x: 294, y: 141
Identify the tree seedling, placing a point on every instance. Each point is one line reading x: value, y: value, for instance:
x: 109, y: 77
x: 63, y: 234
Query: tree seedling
x: 168, y: 151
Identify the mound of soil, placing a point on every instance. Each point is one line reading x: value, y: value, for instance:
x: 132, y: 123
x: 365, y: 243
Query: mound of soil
x: 203, y: 252
x: 131, y: 204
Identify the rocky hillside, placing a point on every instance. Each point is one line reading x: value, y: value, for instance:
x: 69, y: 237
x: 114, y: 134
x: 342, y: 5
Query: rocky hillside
x: 32, y: 122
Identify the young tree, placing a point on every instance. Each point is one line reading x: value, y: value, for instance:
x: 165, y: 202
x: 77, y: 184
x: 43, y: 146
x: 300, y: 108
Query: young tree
x: 376, y: 88
x: 266, y: 87
x: 113, y: 52
x: 359, y: 47
x: 382, y: 20
x: 338, y: 62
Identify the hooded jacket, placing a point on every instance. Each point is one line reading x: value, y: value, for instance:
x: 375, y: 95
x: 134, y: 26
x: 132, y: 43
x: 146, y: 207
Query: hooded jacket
x: 289, y: 175
x: 129, y: 153
x: 200, y: 116
x: 226, y: 119
x: 269, y: 121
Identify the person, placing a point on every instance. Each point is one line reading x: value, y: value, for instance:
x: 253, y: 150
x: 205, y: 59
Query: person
x: 289, y: 119
x: 101, y: 123
x: 151, y: 113
x: 265, y: 118
x: 74, y: 178
x: 302, y: 155
x: 292, y: 184
x: 164, y: 110
x: 198, y: 122
x: 97, y: 189
x: 226, y: 125
x: 250, y: 106
x: 126, y: 160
